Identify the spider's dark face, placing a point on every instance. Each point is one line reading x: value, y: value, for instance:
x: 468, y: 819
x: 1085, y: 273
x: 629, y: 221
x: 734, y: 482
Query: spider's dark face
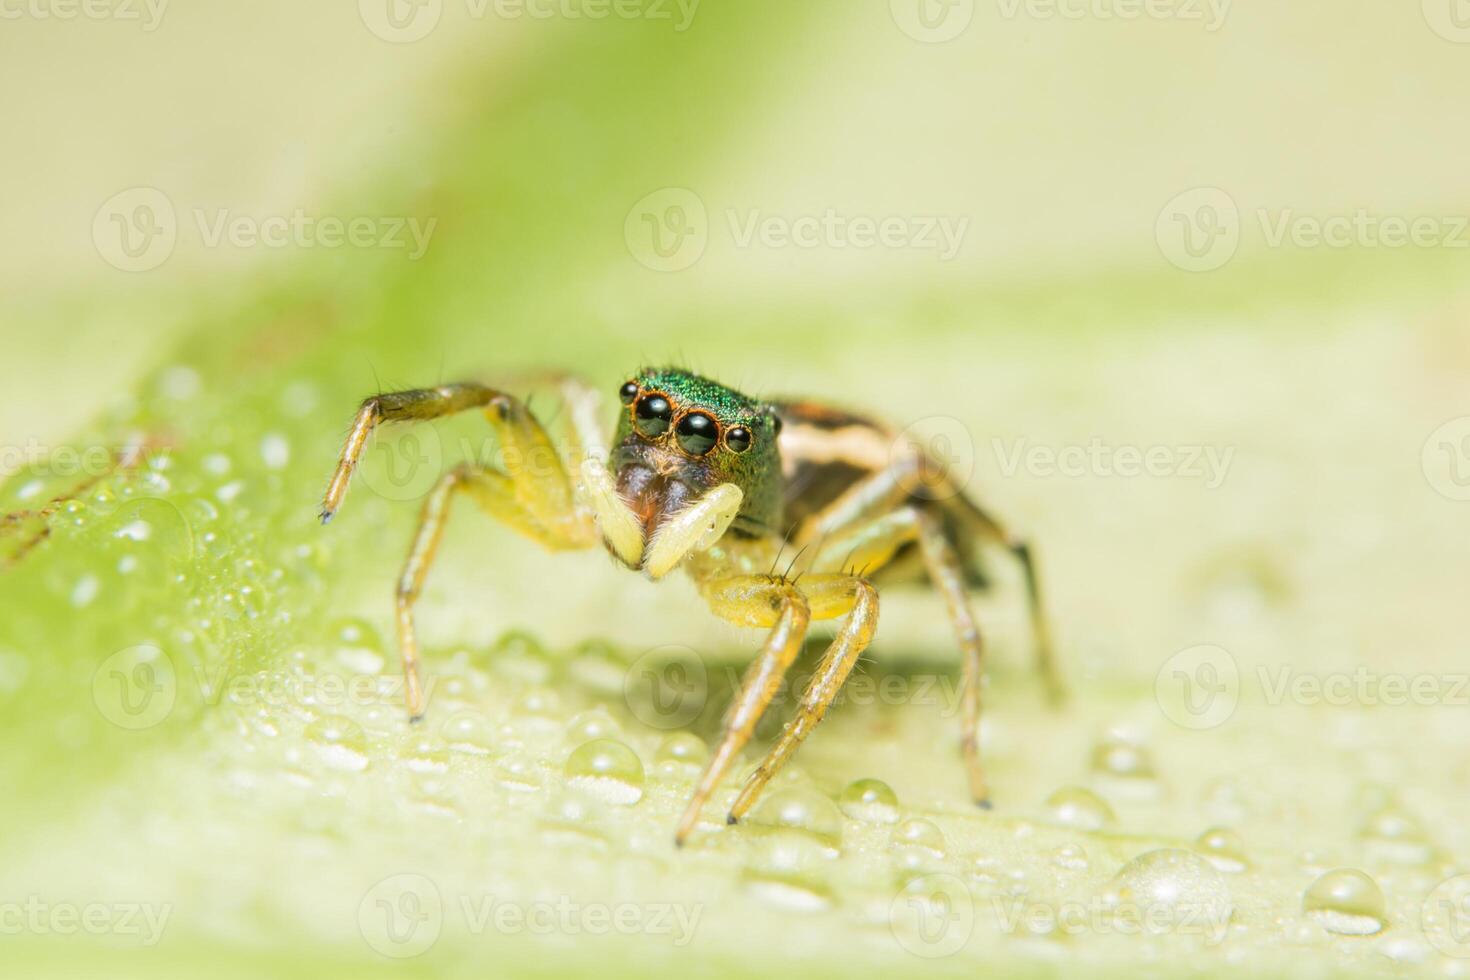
x: 681, y: 436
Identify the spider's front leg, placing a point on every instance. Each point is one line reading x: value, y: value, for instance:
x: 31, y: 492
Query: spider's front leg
x: 532, y: 494
x: 787, y: 608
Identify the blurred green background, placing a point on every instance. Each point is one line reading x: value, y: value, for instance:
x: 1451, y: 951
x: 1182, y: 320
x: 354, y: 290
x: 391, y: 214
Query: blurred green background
x: 1134, y: 201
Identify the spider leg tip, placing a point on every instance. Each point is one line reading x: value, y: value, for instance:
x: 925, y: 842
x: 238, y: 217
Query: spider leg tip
x: 326, y: 517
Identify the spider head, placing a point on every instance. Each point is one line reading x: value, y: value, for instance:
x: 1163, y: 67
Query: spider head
x: 680, y: 437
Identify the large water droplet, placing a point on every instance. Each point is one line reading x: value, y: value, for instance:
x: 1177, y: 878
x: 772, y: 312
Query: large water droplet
x: 596, y: 666
x: 681, y: 753
x: 1079, y: 808
x: 470, y: 732
x: 358, y: 646
x: 917, y: 845
x: 1124, y: 765
x: 1346, y: 902
x: 590, y: 725
x: 870, y: 800
x: 1172, y: 890
x: 1224, y: 849
x: 607, y: 769
x: 800, y: 809
x: 519, y: 654
x: 1394, y: 835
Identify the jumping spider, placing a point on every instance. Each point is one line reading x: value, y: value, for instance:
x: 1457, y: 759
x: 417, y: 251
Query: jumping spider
x: 704, y: 478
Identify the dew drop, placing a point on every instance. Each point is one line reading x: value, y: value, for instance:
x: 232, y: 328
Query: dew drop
x: 85, y: 591
x: 340, y: 742
x: 682, y: 750
x: 917, y: 834
x: 608, y: 770
x: 1125, y: 765
x: 1070, y: 857
x: 870, y: 800
x: 1079, y: 808
x: 590, y: 725
x: 800, y: 809
x: 1395, y: 836
x: 519, y: 775
x: 1347, y: 902
x: 519, y: 654
x: 788, y: 870
x: 1223, y: 848
x: 358, y: 645
x: 1171, y: 890
x: 596, y: 666
x: 275, y: 451
x: 469, y: 732
x: 425, y: 754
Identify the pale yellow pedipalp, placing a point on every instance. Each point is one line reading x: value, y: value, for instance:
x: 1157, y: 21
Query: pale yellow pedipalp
x: 618, y: 524
x: 695, y: 528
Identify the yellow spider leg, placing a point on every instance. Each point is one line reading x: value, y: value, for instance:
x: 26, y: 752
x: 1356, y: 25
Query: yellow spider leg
x: 750, y: 600
x: 495, y: 492
x: 830, y: 596
x: 402, y: 406
x: 874, y: 543
x: 1045, y: 655
x: 885, y: 488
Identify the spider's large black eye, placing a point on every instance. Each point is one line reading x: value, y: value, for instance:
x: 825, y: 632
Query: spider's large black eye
x: 628, y: 392
x: 738, y: 439
x: 652, y: 415
x: 697, y: 433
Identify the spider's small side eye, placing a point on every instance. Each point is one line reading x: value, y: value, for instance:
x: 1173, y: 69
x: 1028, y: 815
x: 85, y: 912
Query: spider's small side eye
x: 777, y: 419
x: 652, y: 415
x: 628, y: 392
x: 738, y: 439
x: 698, y: 433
